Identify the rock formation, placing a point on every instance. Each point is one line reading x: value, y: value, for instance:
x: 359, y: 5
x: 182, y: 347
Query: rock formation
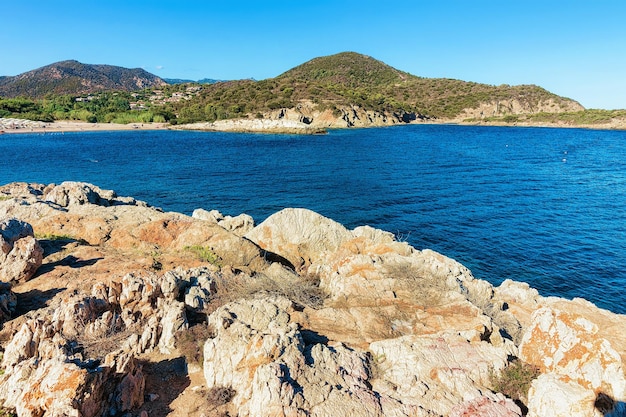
x: 295, y: 316
x: 20, y: 254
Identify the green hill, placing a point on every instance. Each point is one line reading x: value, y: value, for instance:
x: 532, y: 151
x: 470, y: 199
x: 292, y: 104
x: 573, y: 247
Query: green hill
x: 75, y: 78
x: 341, y: 90
x: 350, y: 79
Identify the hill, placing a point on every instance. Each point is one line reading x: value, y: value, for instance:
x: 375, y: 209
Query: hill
x: 351, y: 89
x: 75, y: 78
x: 342, y: 90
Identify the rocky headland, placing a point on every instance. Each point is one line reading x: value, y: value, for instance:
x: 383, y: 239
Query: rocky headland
x: 112, y: 307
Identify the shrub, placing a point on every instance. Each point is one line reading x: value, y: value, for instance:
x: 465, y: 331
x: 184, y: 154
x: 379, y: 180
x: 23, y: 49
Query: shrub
x: 97, y: 345
x: 510, y: 118
x: 220, y: 395
x: 7, y: 412
x: 190, y: 342
x: 515, y: 379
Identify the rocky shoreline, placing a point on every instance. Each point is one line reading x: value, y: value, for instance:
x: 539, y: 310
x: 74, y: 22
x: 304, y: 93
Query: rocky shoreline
x: 112, y: 307
x: 277, y: 124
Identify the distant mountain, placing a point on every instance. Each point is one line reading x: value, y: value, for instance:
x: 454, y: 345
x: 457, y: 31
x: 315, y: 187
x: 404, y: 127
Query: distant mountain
x: 173, y: 81
x: 73, y: 77
x: 183, y: 81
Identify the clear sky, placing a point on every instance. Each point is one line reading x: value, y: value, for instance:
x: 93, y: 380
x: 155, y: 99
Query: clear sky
x: 573, y: 48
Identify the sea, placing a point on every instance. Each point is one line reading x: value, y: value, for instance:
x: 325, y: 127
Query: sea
x: 545, y: 206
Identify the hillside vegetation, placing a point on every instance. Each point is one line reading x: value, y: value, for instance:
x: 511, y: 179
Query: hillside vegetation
x: 75, y: 78
x: 351, y: 79
x: 332, y: 91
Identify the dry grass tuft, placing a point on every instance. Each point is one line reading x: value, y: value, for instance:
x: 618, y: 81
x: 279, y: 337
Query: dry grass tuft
x: 426, y: 290
x: 220, y: 395
x: 304, y: 291
x: 190, y: 342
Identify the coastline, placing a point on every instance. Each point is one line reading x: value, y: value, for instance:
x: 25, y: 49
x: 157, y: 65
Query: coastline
x: 16, y: 126
x: 11, y: 126
x: 374, y: 305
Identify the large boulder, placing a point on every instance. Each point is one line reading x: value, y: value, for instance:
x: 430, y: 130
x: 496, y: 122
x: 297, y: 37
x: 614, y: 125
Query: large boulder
x: 299, y: 235
x: 579, y: 366
x: 78, y: 193
x: 20, y: 253
x: 263, y: 357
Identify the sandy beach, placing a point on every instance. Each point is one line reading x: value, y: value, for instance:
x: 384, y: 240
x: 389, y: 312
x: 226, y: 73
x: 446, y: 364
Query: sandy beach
x: 29, y: 126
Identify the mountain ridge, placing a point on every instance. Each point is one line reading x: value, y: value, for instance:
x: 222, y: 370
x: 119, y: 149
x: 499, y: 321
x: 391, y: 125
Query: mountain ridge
x: 76, y: 78
x: 341, y: 90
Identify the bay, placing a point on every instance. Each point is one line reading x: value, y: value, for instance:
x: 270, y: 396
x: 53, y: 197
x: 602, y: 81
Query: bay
x: 544, y: 206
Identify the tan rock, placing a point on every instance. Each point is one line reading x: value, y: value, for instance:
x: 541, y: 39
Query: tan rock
x: 437, y: 372
x: 77, y: 193
x: 552, y: 396
x: 84, y: 212
x: 8, y: 302
x: 261, y: 355
x: 581, y: 365
x: 20, y: 253
x: 240, y: 225
x: 301, y: 236
x: 486, y: 407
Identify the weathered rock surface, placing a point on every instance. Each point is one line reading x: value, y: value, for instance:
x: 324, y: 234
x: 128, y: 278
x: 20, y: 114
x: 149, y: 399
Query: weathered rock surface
x: 260, y: 353
x: 577, y: 365
x: 393, y: 330
x: 85, y: 212
x: 20, y: 253
x: 299, y: 235
x: 49, y: 364
x: 255, y: 125
x: 239, y: 225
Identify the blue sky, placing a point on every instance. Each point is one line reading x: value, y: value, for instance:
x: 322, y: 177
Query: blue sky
x: 573, y: 48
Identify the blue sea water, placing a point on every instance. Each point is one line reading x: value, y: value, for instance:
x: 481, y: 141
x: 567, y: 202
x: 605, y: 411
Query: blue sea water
x: 545, y: 206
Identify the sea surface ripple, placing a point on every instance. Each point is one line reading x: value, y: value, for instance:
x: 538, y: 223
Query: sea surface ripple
x: 544, y: 206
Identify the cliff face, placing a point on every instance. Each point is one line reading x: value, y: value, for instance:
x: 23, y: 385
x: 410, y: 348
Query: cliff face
x: 518, y: 107
x: 295, y: 316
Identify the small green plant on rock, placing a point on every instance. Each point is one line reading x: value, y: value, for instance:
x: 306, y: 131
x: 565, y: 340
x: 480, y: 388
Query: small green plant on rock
x: 7, y: 412
x: 515, y: 379
x: 205, y: 254
x: 53, y: 237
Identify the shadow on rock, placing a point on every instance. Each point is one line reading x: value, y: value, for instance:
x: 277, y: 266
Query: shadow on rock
x: 71, y: 261
x: 34, y: 300
x: 165, y: 381
x: 52, y: 246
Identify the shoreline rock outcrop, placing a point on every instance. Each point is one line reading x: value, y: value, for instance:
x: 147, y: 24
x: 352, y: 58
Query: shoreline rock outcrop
x: 296, y: 316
